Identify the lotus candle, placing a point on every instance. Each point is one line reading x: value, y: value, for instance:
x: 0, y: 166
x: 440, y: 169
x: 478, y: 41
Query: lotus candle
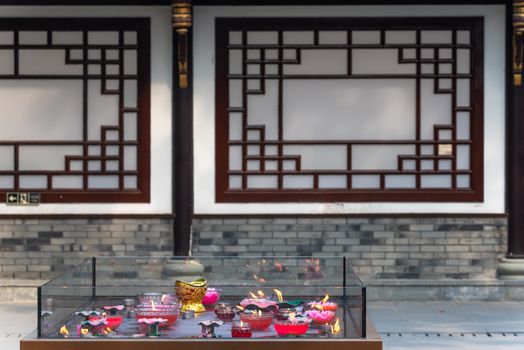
x: 212, y: 296
x: 293, y: 326
x: 150, y: 326
x: 225, y: 312
x: 257, y: 320
x: 321, y: 317
x: 168, y: 312
x: 259, y: 302
x: 241, y: 330
x: 324, y: 304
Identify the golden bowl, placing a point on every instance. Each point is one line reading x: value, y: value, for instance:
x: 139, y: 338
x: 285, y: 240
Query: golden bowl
x: 191, y: 294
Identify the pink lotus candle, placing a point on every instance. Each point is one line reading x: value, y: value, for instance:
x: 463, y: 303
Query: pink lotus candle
x: 321, y: 317
x: 212, y: 296
x: 324, y: 304
x: 292, y: 326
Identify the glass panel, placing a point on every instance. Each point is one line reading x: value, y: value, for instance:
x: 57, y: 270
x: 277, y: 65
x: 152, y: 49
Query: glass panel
x: 112, y: 150
x: 436, y: 37
x: 365, y: 181
x: 298, y: 38
x: 235, y: 93
x: 463, y: 181
x: 444, y: 68
x: 444, y: 164
x: 436, y: 109
x: 463, y: 127
x: 332, y: 181
x: 130, y: 38
x: 235, y: 126
x: 263, y: 110
x: 378, y: 157
x: 7, y: 66
x: 463, y: 61
x: 445, y: 53
x: 101, y: 109
x: 427, y: 68
x: 271, y: 165
x: 130, y: 182
x: 253, y: 135
x: 463, y: 157
x: 253, y: 150
x: 445, y: 134
x: 332, y: 37
x: 112, y: 54
x: 379, y: 61
x: 260, y: 181
x: 235, y: 38
x: 46, y: 157
x: 401, y: 37
x: 33, y: 182
x: 427, y: 53
x: 49, y: 62
x: 94, y: 54
x: 7, y: 158
x: 271, y: 150
x: 253, y: 165
x: 94, y: 165
x: 94, y: 150
x: 102, y: 38
x: 111, y: 135
x: 401, y: 181
x: 409, y: 164
x: 112, y: 165
x: 427, y: 165
x: 253, y: 85
x: 298, y: 181
x: 435, y: 181
x: 427, y: 150
x: 392, y: 118
x: 130, y: 127
x: 102, y: 181
x: 463, y: 93
x: 271, y: 54
x: 76, y: 165
x: 235, y: 157
x: 322, y: 157
x: 318, y: 62
x: 130, y: 158
x: 366, y: 37
x: 253, y: 69
x: 251, y: 54
x: 235, y: 61
x: 409, y: 53
x: 6, y: 38
x: 130, y: 62
x: 68, y: 182
x: 289, y: 165
x: 262, y: 38
x: 235, y: 181
x: 463, y: 37
x: 130, y: 93
x: 68, y: 38
x: 32, y: 38
x: 38, y: 103
x: 7, y: 182
x: 94, y: 69
x: 444, y: 84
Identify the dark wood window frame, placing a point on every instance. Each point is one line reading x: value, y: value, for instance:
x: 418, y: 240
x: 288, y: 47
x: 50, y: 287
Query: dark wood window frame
x: 473, y: 194
x: 85, y: 25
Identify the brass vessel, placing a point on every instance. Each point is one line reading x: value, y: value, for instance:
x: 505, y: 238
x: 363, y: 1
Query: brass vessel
x: 191, y: 294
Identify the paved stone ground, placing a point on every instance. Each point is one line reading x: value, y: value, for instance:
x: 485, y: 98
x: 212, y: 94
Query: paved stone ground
x: 403, y: 325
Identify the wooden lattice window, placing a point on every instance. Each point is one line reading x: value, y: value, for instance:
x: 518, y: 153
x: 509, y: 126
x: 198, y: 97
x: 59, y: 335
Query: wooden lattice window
x: 74, y: 106
x: 344, y: 109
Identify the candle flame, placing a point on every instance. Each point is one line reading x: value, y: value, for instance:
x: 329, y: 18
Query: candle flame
x: 253, y: 295
x: 259, y: 313
x: 326, y: 298
x: 259, y: 279
x: 64, y: 331
x: 164, y: 296
x: 291, y: 317
x: 241, y: 324
x: 336, y: 327
x: 107, y: 330
x: 153, y: 305
x: 84, y: 331
x: 279, y: 295
x: 318, y: 307
x: 240, y: 308
x: 279, y: 267
x: 261, y: 294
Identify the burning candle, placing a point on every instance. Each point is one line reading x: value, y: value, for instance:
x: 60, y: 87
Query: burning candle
x: 293, y: 326
x: 241, y: 330
x: 169, y: 312
x: 257, y: 320
x: 324, y: 304
x: 211, y: 297
x: 321, y: 317
x: 225, y: 312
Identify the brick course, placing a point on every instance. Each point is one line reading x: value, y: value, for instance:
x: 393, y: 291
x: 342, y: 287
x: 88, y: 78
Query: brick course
x: 379, y: 248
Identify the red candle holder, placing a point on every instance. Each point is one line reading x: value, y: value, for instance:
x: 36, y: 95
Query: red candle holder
x: 321, y: 317
x: 258, y: 321
x: 113, y: 322
x: 167, y: 312
x: 285, y: 328
x: 241, y: 330
x: 225, y: 312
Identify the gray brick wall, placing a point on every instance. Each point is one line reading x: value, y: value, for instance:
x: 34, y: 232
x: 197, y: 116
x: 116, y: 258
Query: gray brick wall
x: 417, y: 248
x: 42, y: 249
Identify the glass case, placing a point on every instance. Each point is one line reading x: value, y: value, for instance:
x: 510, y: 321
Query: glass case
x: 143, y: 298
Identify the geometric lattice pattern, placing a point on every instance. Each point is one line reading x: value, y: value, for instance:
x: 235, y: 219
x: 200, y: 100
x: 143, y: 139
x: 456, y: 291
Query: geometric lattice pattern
x: 75, y: 97
x: 349, y: 109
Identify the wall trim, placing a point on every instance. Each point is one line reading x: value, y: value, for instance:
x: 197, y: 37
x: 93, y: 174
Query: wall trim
x: 371, y: 215
x: 84, y: 216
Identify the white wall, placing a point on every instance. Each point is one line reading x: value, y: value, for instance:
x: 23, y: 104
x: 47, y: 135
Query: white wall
x: 161, y: 172
x: 204, y: 109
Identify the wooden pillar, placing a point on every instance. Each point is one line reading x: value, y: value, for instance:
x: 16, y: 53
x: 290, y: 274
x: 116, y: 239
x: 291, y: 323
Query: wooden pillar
x: 183, y: 125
